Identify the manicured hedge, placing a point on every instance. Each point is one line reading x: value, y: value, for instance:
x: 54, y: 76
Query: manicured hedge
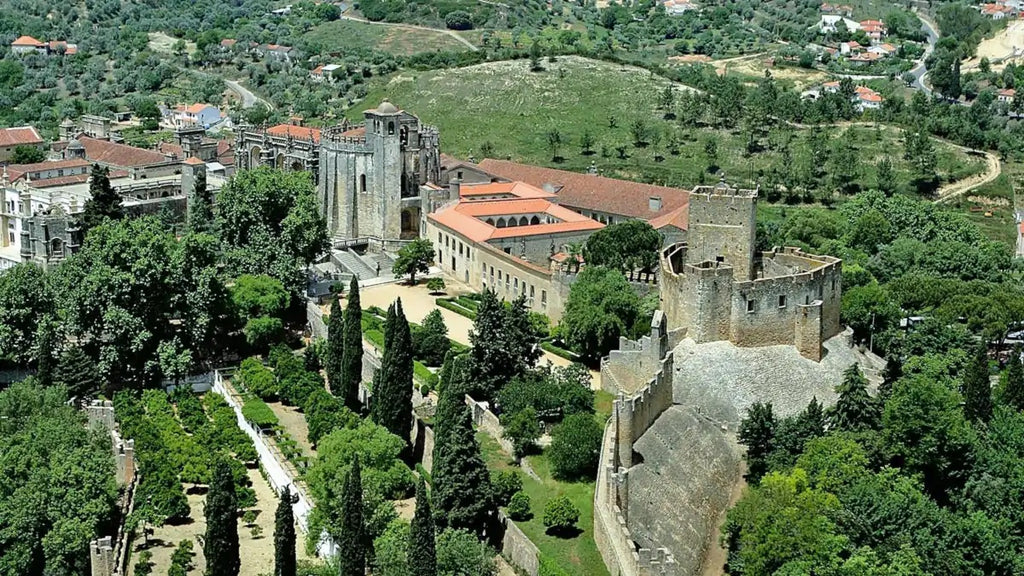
x: 256, y: 411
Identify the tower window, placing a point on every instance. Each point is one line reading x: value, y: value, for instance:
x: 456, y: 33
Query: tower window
x: 750, y: 306
x: 391, y: 128
x: 362, y: 182
x: 782, y: 300
x: 459, y: 174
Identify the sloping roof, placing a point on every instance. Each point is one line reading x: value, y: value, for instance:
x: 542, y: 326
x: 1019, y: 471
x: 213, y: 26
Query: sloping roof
x: 42, y: 166
x: 296, y: 132
x: 197, y: 108
x: 170, y: 148
x: 590, y: 192
x: 114, y: 154
x: 193, y: 161
x: 20, y: 136
x: 677, y: 218
x: 507, y: 189
x: 28, y: 41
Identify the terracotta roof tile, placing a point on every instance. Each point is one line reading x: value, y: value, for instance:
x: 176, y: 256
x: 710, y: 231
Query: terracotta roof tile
x: 590, y: 192
x: 193, y: 161
x: 22, y: 135
x: 296, y: 132
x: 120, y: 155
x: 170, y: 148
x: 51, y: 165
x: 512, y: 189
x: 28, y: 41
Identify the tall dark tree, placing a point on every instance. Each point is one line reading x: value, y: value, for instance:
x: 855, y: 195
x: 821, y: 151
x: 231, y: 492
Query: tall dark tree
x: 220, y: 547
x: 352, y: 538
x: 284, y: 536
x: 45, y: 353
x: 1013, y: 393
x: 504, y: 344
x: 462, y: 493
x: 977, y: 389
x: 757, y: 433
x: 104, y: 202
x: 422, y: 554
x: 352, y: 349
x: 392, y: 388
x: 77, y: 372
x: 855, y: 409
x: 200, y: 205
x: 335, y: 348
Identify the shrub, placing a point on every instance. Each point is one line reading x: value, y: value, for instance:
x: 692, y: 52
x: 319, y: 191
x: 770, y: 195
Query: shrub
x: 436, y: 284
x: 449, y: 304
x: 519, y: 507
x: 560, y: 514
x: 506, y: 483
x: 460, y: 552
x: 549, y: 567
x: 297, y: 387
x: 257, y: 379
x: 575, y: 444
x: 258, y: 413
x: 458, y: 20
x: 523, y: 430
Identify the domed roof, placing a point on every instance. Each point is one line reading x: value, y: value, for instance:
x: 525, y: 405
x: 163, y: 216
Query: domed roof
x: 75, y: 145
x: 386, y: 107
x: 67, y: 123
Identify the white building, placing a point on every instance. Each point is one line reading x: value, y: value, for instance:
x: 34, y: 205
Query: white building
x: 829, y: 23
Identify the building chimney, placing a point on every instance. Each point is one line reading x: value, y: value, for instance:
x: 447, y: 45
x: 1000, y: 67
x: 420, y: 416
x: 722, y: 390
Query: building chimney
x: 454, y: 189
x: 654, y: 202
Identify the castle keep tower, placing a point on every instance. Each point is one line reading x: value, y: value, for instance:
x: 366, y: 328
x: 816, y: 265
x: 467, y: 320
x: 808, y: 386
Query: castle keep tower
x: 722, y: 228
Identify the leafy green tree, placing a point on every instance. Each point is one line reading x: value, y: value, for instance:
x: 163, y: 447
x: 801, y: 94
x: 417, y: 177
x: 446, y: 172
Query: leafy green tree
x: 422, y: 555
x: 885, y: 176
x: 506, y: 483
x: 523, y: 430
x: 602, y: 306
x: 1013, y: 390
x: 25, y: 299
x: 392, y: 388
x: 415, y: 257
x: 220, y: 545
x: 336, y: 348
x: 462, y: 552
x: 711, y: 155
x: 391, y: 551
x: 352, y: 536
x: 977, y: 390
x: 519, y: 507
x: 76, y: 372
x: 104, y: 203
x: 575, y: 447
x: 560, y: 515
x: 855, y: 410
x: 628, y: 247
x: 462, y: 493
x: 436, y: 285
x: 535, y: 65
x: 505, y: 344
x: 284, y: 536
x: 757, y: 433
x: 200, y: 205
x: 351, y: 367
x: 431, y: 340
x: 27, y: 155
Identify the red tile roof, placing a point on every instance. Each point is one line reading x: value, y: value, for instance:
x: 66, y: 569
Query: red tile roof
x: 296, y: 132
x: 28, y: 41
x: 170, y: 148
x: 1007, y: 93
x: 21, y: 136
x: 359, y: 132
x: 228, y: 42
x: 193, y: 161
x: 677, y: 218
x: 51, y: 165
x: 505, y: 189
x: 590, y: 192
x: 120, y: 155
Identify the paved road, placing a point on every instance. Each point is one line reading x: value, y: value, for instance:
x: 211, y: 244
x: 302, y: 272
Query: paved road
x: 468, y: 44
x: 919, y: 71
x: 248, y: 98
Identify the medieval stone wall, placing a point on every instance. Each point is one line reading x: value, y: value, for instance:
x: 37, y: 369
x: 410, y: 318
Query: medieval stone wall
x: 722, y: 225
x: 518, y: 548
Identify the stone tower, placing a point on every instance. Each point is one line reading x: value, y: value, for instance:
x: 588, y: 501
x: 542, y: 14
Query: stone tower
x: 722, y: 228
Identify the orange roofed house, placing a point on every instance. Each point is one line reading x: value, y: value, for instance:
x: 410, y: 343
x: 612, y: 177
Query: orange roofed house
x: 11, y: 138
x: 510, y: 237
x: 30, y: 45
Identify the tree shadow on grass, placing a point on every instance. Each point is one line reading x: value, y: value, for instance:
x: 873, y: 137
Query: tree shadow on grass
x: 564, y: 533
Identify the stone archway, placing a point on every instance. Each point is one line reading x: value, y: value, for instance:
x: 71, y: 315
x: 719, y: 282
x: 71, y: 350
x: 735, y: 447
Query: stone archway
x: 297, y: 166
x: 279, y: 162
x: 255, y: 153
x: 410, y: 223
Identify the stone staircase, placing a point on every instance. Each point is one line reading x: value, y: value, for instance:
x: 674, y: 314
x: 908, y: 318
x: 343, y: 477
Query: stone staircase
x: 385, y: 261
x: 355, y: 264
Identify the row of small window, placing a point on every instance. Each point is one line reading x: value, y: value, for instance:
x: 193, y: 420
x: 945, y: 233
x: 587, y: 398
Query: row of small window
x: 751, y: 307
x: 513, y: 285
x: 450, y: 242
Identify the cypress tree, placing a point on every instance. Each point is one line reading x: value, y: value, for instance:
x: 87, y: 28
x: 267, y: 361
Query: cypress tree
x: 1013, y: 394
x: 284, y: 536
x: 352, y: 349
x: 221, y: 544
x: 77, y: 372
x: 977, y: 390
x: 855, y: 409
x: 104, y: 202
x: 200, y: 205
x: 757, y: 433
x: 504, y: 344
x: 392, y: 389
x: 335, y: 348
x: 422, y: 555
x: 462, y: 492
x: 352, y: 539
x: 45, y: 362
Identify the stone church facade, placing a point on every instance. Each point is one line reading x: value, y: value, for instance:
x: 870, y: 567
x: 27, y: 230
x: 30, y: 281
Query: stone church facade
x: 369, y: 178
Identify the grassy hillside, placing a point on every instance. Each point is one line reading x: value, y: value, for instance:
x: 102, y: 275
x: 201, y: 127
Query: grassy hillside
x: 504, y: 107
x: 341, y: 36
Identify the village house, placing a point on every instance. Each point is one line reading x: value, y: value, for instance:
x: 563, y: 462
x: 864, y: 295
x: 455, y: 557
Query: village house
x: 875, y: 29
x: 204, y: 115
x: 678, y: 7
x: 1006, y: 95
x: 11, y: 138
x: 29, y: 45
x: 829, y: 24
x: 324, y: 73
x: 843, y: 10
x: 995, y: 11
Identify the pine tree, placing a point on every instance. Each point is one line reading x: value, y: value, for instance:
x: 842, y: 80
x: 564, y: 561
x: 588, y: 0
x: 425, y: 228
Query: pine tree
x: 1013, y: 393
x: 977, y: 390
x: 855, y: 409
x: 335, y: 348
x: 77, y: 372
x: 352, y: 349
x: 392, y: 389
x: 200, y: 205
x: 104, y: 202
x: 352, y: 538
x: 757, y: 433
x: 220, y: 547
x: 45, y: 361
x: 462, y: 492
x: 284, y: 536
x: 504, y: 344
x: 422, y: 555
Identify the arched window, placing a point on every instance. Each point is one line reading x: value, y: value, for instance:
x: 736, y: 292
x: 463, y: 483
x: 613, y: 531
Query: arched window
x: 391, y: 128
x: 490, y: 221
x: 404, y: 135
x: 362, y: 182
x: 535, y: 220
x: 502, y: 223
x: 56, y: 247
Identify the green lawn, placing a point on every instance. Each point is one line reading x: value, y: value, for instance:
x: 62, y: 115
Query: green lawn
x: 503, y: 107
x: 577, y: 556
x: 345, y: 35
